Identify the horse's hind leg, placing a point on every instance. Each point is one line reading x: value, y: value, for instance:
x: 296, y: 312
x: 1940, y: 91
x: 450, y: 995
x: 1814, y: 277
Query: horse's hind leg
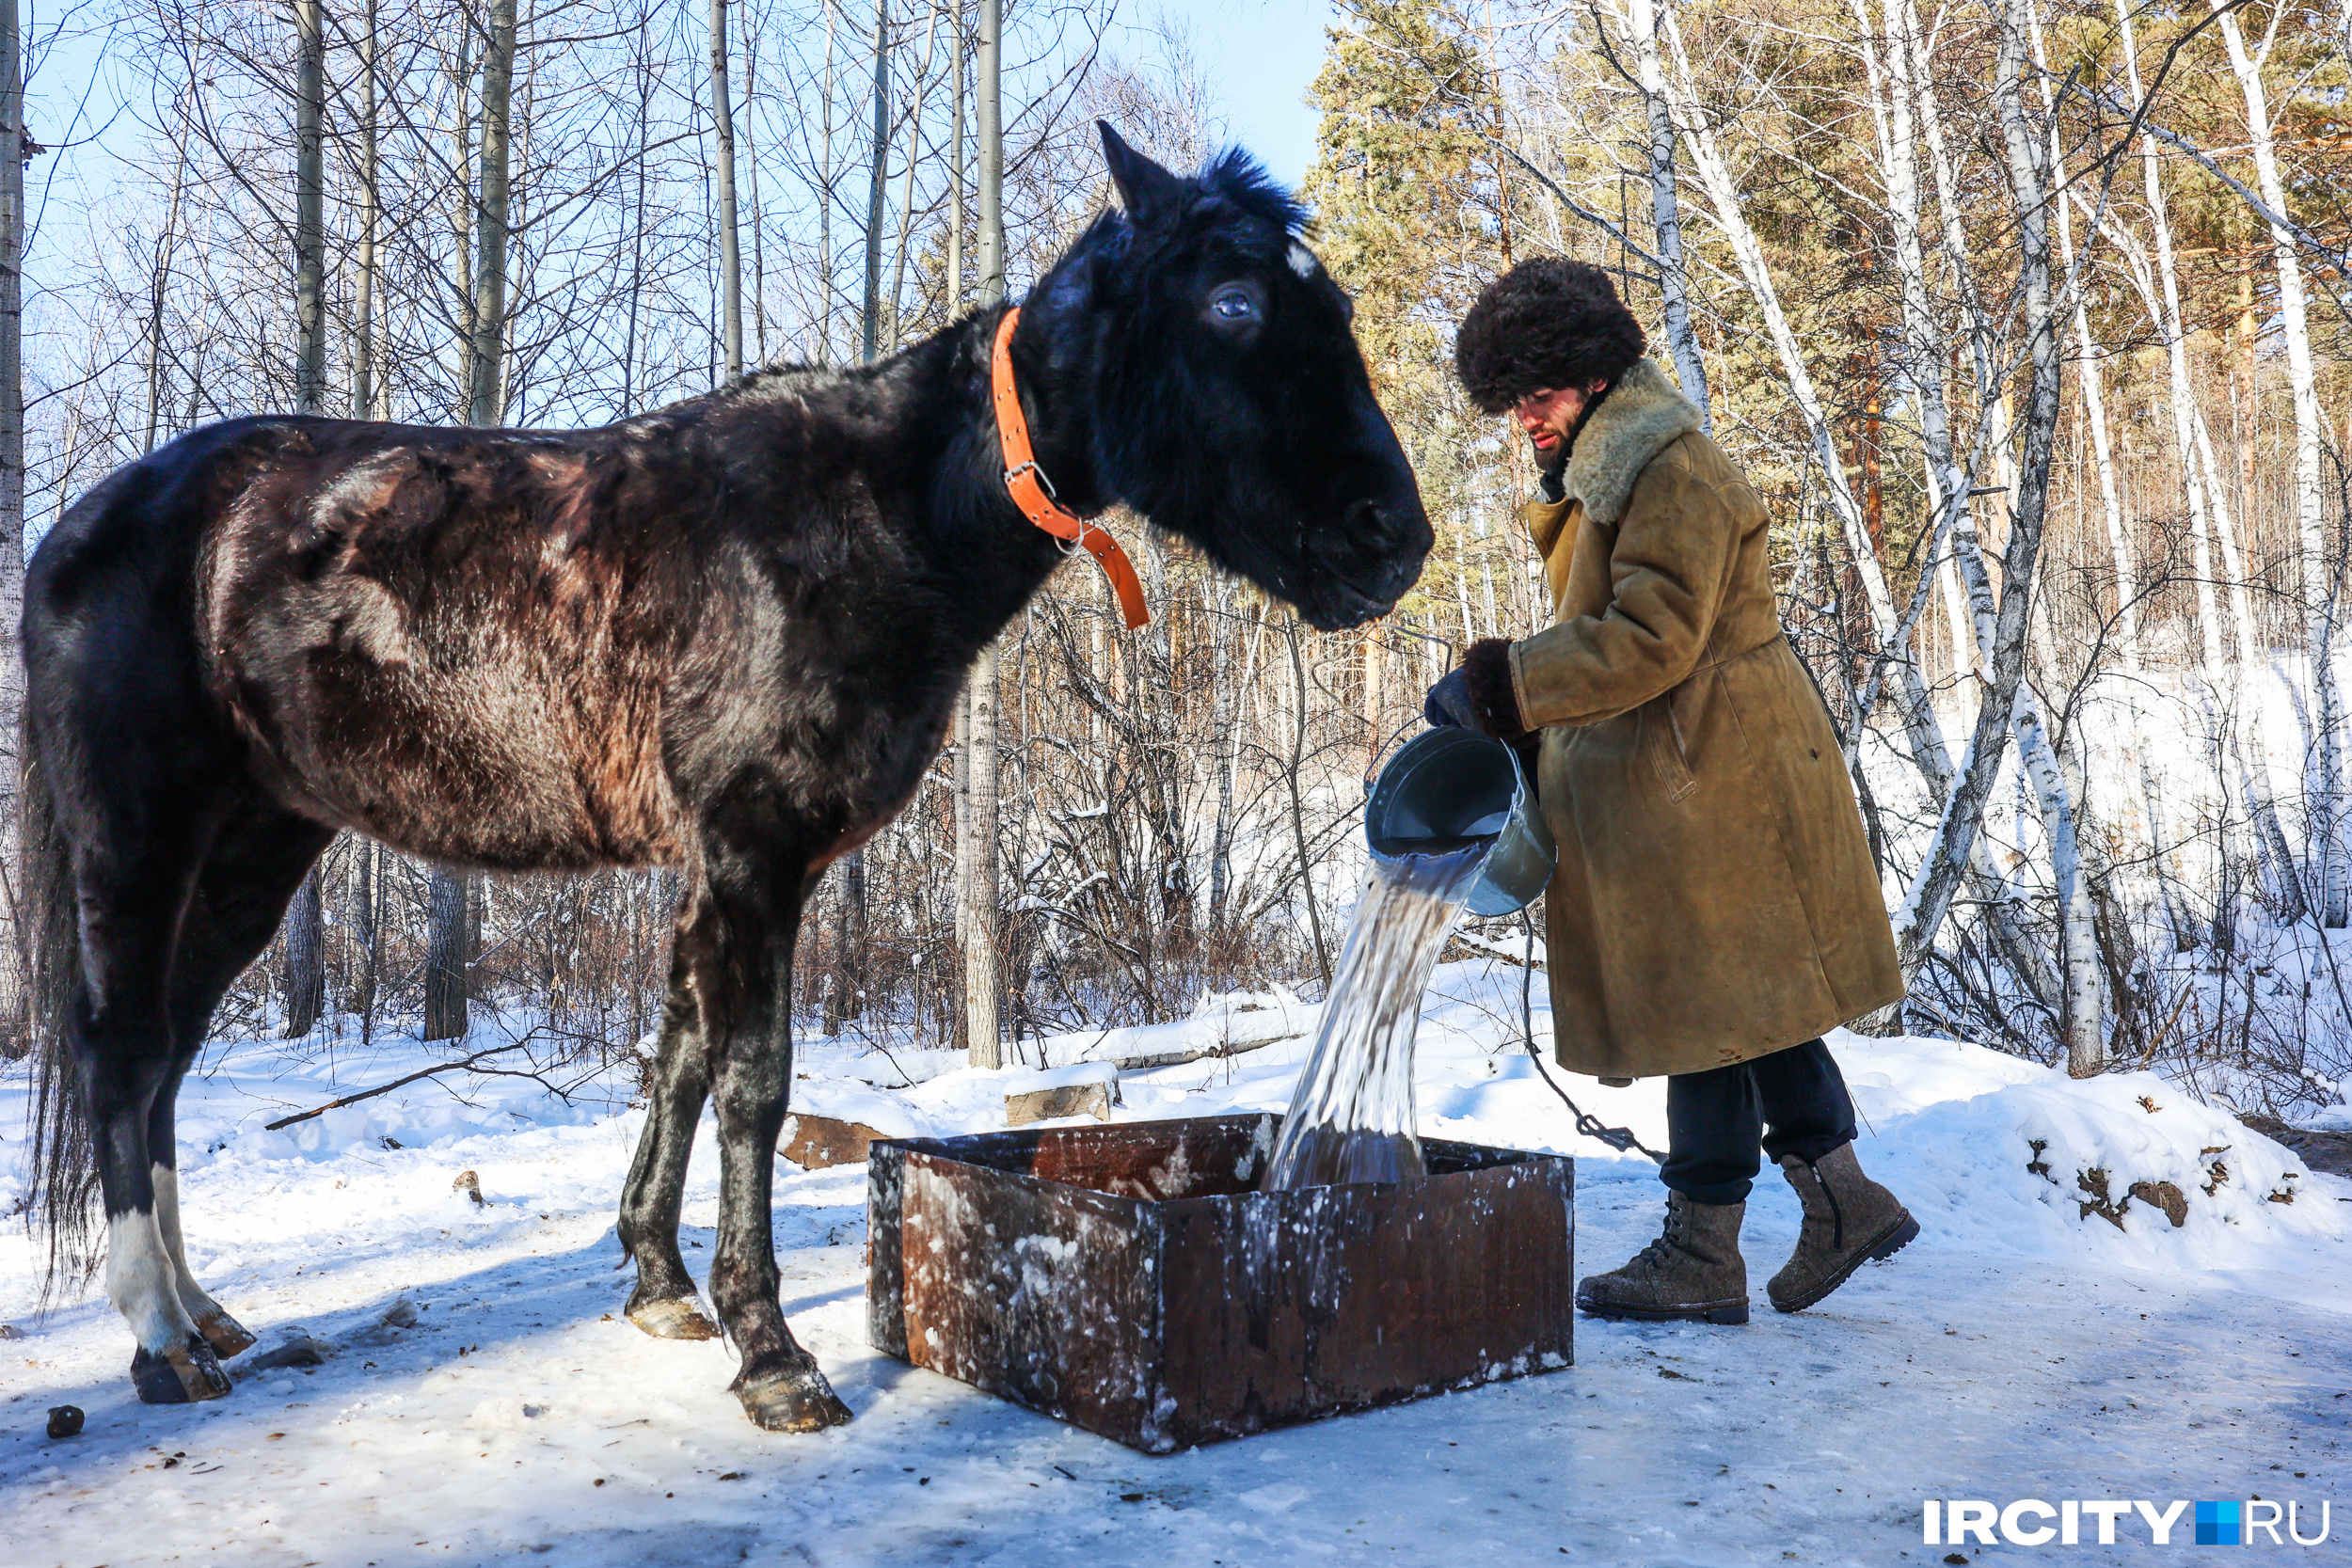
x: 228, y: 1337
x: 663, y: 1303
x: 133, y: 888
x: 744, y: 952
x: 256, y: 862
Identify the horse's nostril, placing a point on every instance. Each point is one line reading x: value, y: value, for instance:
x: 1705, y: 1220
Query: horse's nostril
x: 1364, y: 516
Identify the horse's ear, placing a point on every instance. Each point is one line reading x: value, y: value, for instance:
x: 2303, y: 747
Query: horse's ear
x: 1141, y: 182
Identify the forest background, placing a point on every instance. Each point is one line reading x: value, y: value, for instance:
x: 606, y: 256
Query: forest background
x: 2028, y: 319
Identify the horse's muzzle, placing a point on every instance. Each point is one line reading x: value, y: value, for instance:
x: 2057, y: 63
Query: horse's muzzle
x: 1380, y: 547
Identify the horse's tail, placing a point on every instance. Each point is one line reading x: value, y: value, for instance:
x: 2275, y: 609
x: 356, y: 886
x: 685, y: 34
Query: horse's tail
x: 63, y: 1170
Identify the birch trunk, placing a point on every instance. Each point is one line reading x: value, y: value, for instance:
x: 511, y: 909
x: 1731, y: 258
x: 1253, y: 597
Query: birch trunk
x: 1638, y: 21
x: 2208, y: 522
x: 2090, y: 358
x: 1925, y: 742
x: 1929, y: 896
x: 2319, y: 599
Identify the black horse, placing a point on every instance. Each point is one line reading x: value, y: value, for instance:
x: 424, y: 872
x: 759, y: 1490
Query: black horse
x: 725, y: 636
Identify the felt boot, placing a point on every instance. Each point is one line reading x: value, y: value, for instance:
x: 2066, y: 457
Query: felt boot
x: 1693, y: 1271
x: 1850, y: 1220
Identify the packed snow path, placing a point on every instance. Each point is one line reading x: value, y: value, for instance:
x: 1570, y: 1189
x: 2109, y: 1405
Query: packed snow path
x: 2018, y: 1350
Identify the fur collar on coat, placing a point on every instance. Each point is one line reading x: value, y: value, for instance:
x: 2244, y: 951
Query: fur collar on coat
x: 1643, y: 414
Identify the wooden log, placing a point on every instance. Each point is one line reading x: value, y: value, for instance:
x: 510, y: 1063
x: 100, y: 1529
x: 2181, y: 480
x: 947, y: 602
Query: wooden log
x: 815, y: 1142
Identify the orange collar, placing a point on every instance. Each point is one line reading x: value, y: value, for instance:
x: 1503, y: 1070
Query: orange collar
x: 1033, y: 493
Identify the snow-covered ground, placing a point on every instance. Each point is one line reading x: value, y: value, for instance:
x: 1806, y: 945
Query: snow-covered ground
x: 2020, y: 1349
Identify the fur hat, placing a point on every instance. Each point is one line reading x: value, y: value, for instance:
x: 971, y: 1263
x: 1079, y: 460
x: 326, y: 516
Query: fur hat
x: 1549, y: 322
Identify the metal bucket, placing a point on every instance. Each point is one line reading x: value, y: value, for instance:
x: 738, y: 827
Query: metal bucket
x: 1452, y: 784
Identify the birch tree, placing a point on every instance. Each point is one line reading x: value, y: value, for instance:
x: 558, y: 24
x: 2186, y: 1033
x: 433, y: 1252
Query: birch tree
x: 2319, y: 595
x: 1637, y: 22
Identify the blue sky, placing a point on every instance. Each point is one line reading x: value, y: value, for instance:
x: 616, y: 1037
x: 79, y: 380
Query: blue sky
x: 1260, y: 54
x: 1259, y: 57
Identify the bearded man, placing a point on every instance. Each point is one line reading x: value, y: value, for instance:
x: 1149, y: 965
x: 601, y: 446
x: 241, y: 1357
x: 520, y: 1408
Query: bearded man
x: 1715, y: 909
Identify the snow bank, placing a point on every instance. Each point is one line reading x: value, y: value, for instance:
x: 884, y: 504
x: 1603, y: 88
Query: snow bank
x: 2001, y: 1156
x: 479, y: 1400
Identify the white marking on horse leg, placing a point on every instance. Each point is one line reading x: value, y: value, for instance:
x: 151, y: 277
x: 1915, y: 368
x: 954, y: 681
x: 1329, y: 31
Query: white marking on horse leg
x: 193, y: 1297
x: 143, y: 1284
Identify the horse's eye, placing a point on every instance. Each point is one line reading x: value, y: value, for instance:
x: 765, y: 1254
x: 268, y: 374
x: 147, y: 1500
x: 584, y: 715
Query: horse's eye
x: 1235, y: 305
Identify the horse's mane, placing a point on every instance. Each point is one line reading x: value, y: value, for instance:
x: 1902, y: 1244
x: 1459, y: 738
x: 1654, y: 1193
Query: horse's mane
x: 1239, y: 178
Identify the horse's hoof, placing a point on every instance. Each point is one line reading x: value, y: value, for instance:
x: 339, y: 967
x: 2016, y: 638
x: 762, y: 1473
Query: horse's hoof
x: 673, y: 1318
x: 228, y: 1337
x: 180, y: 1376
x: 793, y: 1402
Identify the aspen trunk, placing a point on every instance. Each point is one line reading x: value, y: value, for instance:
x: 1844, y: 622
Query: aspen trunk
x: 15, y: 1021
x: 158, y: 294
x: 366, y: 934
x: 906, y: 188
x: 956, y: 168
x: 723, y: 159
x: 305, y: 929
x: 368, y: 401
x: 824, y: 200
x: 975, y: 870
x: 1220, y: 755
x: 451, y: 920
x: 1299, y: 815
x: 878, y: 186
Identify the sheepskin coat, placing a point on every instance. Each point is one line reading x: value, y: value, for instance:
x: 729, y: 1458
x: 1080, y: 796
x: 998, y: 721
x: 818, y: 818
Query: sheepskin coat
x: 1715, y: 899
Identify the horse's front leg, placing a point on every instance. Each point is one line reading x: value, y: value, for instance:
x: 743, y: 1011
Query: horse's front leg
x: 664, y: 1304
x: 759, y: 914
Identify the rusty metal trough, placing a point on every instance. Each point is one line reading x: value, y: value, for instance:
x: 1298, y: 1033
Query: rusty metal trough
x: 1130, y: 1279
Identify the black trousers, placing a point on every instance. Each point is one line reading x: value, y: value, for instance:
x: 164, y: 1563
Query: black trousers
x: 1792, y: 1102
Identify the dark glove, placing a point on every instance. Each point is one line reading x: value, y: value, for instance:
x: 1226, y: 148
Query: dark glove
x: 1448, y: 703
x: 1478, y: 695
